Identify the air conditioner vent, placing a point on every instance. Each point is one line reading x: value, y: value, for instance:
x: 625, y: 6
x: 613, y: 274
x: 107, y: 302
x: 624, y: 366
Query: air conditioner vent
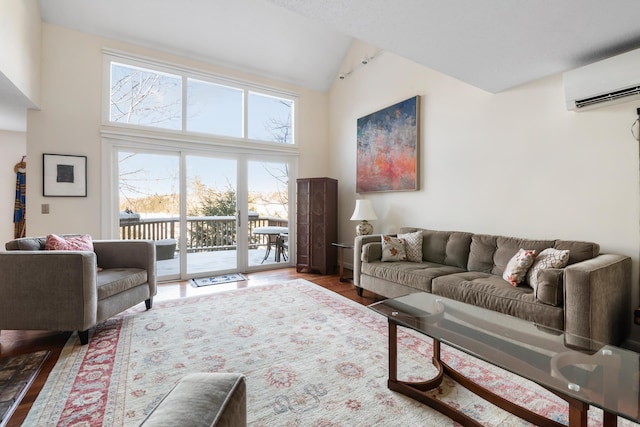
x: 623, y: 93
x: 610, y: 81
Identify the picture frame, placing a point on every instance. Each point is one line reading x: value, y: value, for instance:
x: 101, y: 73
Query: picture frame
x: 64, y: 175
x: 388, y: 148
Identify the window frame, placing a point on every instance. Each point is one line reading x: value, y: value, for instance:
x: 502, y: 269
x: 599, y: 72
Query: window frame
x: 187, y: 73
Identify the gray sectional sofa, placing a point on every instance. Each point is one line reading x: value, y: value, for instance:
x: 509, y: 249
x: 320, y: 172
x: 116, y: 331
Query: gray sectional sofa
x: 590, y: 297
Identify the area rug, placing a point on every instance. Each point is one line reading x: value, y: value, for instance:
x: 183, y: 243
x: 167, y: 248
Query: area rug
x: 16, y: 375
x: 311, y: 357
x: 218, y: 280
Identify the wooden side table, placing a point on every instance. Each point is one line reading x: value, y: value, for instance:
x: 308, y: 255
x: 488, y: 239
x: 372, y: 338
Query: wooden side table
x: 341, y: 247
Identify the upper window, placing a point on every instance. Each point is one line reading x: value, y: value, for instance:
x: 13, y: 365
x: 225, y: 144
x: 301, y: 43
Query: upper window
x: 177, y: 101
x: 145, y: 97
x: 270, y: 118
x: 214, y: 109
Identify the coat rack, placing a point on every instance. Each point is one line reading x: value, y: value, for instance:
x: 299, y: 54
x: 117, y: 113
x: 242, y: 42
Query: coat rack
x: 21, y: 166
x: 19, y: 212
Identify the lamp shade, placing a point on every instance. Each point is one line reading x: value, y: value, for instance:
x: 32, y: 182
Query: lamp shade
x: 363, y: 211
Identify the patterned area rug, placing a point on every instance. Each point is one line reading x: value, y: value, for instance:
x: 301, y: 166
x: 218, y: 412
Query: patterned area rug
x: 16, y: 375
x: 218, y: 280
x: 311, y: 357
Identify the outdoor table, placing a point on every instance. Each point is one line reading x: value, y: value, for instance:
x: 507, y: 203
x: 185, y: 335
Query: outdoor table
x: 276, y: 236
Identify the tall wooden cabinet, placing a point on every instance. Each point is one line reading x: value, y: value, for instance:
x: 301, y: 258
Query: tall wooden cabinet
x: 317, y: 225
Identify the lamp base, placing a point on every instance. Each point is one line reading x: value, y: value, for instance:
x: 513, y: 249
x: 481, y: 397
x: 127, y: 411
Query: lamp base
x: 364, y: 228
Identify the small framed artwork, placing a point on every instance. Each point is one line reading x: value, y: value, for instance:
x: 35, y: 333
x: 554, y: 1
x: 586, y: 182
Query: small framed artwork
x: 387, y: 148
x: 64, y: 175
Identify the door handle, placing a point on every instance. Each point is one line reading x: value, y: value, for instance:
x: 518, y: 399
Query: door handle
x: 238, y: 219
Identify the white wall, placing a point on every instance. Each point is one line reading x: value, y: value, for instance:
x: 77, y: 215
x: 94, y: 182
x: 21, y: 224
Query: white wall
x: 69, y: 122
x: 515, y: 163
x: 13, y: 145
x: 20, y: 32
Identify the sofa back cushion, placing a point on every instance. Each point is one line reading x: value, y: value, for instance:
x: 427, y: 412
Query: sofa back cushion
x: 444, y: 247
x: 26, y: 244
x: 491, y: 254
x: 578, y: 251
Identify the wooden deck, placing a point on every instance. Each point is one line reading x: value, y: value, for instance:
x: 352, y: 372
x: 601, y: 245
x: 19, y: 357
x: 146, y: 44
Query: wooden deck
x: 205, y: 262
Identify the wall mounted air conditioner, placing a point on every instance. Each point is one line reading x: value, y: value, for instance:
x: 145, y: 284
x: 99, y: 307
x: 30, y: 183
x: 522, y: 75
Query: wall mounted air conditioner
x: 603, y: 83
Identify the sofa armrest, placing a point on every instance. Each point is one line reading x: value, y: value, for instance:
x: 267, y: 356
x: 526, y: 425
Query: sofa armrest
x: 359, y: 242
x: 597, y: 295
x: 52, y: 290
x: 128, y: 254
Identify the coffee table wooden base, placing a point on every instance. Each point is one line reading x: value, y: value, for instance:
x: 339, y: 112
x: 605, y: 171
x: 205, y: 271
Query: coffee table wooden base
x: 419, y: 391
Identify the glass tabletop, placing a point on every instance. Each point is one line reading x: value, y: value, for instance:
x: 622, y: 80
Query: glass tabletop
x: 598, y: 374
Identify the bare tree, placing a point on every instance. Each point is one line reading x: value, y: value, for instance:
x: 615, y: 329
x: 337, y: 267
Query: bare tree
x: 145, y: 97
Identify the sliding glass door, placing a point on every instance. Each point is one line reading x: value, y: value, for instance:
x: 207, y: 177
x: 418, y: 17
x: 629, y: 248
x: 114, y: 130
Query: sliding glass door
x: 149, y: 204
x: 268, y: 200
x: 208, y: 213
x: 211, y: 208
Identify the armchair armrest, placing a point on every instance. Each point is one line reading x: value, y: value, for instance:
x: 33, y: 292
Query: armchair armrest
x: 597, y: 295
x: 128, y: 254
x: 51, y: 290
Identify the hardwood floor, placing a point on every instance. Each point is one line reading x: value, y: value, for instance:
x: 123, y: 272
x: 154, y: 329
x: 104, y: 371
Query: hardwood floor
x: 20, y: 342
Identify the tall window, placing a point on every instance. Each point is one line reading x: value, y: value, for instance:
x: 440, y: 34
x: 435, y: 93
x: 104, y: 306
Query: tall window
x: 178, y: 101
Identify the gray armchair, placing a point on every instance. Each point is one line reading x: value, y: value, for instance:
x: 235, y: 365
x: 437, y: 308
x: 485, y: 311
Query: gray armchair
x: 64, y: 291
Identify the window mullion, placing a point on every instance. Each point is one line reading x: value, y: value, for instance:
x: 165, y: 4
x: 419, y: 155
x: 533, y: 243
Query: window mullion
x: 184, y: 103
x: 245, y: 114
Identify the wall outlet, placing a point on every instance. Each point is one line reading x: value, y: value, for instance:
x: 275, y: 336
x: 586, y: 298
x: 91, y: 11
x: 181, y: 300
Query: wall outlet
x: 44, y: 208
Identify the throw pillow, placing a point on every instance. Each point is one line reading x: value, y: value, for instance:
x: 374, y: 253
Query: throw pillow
x: 393, y: 249
x: 548, y: 258
x: 413, y: 245
x: 518, y: 266
x: 71, y: 243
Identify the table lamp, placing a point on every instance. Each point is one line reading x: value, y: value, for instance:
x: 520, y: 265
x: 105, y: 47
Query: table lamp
x: 363, y: 212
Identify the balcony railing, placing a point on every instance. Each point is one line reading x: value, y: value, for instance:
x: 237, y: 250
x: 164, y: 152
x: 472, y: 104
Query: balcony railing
x: 204, y: 233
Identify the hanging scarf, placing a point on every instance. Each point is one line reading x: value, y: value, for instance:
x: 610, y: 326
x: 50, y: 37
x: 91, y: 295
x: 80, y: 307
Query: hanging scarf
x: 20, y: 209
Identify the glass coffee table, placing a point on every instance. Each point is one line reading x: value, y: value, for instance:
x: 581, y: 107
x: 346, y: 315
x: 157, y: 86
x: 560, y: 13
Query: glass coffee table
x: 580, y: 371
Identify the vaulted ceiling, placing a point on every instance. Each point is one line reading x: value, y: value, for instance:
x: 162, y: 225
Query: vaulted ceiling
x: 491, y: 44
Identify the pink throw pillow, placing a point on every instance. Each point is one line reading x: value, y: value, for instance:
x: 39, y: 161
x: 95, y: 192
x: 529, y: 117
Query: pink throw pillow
x: 75, y: 243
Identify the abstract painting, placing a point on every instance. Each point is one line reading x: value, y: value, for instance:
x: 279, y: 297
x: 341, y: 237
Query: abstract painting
x: 387, y: 153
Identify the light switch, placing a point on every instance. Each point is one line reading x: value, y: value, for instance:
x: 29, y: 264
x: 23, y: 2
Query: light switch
x: 45, y: 208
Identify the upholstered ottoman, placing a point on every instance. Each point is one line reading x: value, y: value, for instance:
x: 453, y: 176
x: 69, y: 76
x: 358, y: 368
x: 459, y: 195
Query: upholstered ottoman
x: 165, y: 249
x: 203, y: 399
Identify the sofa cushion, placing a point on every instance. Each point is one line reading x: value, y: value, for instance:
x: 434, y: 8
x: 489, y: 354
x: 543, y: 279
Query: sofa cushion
x: 371, y: 251
x: 26, y: 244
x: 444, y: 247
x: 413, y: 245
x: 491, y: 254
x: 393, y: 249
x: 491, y: 292
x: 112, y: 281
x: 578, y: 251
x: 550, y: 287
x: 413, y: 274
